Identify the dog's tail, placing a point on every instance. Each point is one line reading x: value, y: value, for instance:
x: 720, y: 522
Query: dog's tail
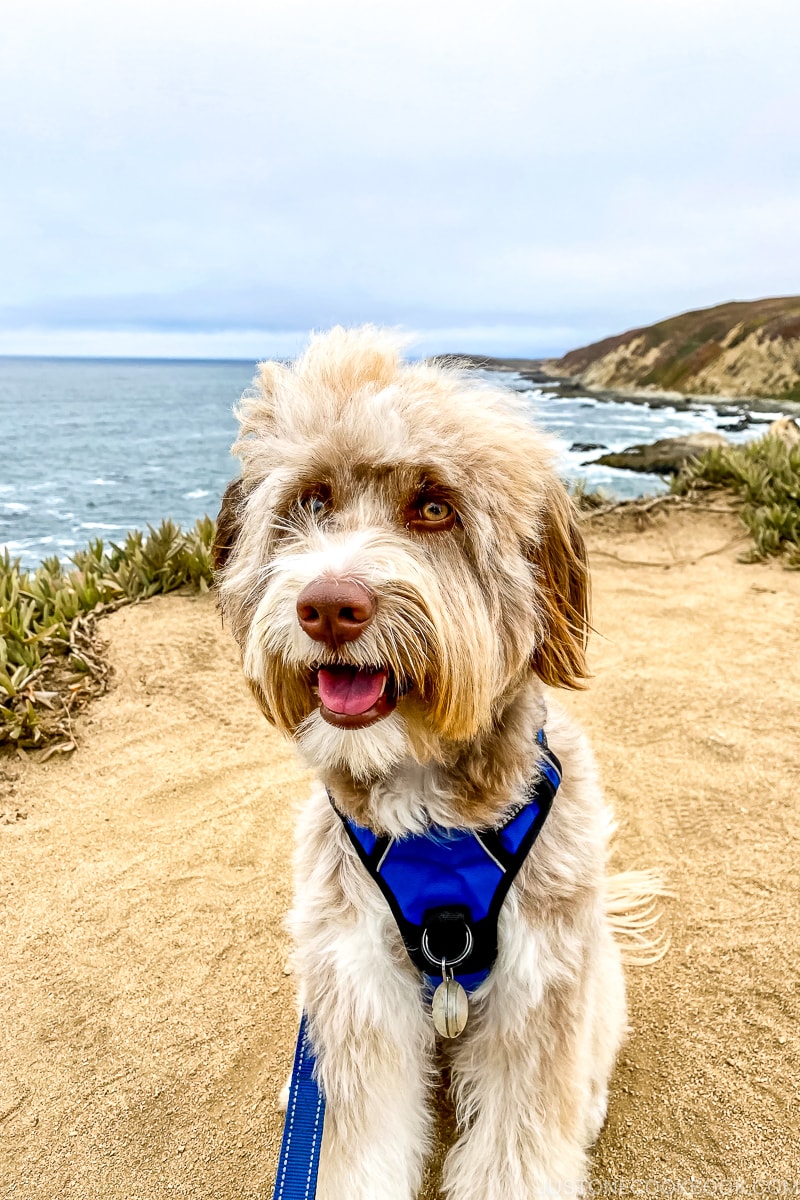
x: 634, y: 914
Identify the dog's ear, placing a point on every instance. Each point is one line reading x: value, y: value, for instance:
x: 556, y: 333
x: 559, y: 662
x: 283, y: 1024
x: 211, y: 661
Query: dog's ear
x: 563, y: 592
x: 229, y: 522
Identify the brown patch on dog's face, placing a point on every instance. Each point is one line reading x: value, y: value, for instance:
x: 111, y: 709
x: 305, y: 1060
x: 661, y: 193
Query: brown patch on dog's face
x: 229, y: 522
x: 563, y: 578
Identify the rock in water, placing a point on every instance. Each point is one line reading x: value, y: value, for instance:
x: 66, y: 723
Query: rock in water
x: 665, y: 457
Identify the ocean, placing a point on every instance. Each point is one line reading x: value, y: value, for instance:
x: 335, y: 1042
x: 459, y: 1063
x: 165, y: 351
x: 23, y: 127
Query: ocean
x: 94, y: 447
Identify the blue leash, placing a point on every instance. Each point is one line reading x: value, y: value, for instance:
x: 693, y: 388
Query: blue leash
x: 302, y: 1131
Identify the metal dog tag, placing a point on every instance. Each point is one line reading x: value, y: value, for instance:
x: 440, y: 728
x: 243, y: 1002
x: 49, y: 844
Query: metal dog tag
x: 450, y: 1008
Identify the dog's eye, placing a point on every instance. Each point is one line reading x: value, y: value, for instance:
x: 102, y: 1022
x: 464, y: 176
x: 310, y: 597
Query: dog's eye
x: 315, y: 501
x: 435, y: 511
x: 431, y: 514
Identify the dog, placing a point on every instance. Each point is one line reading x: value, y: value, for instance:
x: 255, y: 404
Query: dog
x: 405, y: 575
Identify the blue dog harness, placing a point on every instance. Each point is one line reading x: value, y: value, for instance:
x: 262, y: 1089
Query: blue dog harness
x: 445, y: 888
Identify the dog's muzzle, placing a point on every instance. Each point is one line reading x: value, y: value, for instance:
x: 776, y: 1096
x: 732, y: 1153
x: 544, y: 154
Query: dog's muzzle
x: 335, y: 612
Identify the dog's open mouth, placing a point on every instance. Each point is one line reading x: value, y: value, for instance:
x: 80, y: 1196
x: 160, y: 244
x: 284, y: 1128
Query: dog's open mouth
x: 354, y: 697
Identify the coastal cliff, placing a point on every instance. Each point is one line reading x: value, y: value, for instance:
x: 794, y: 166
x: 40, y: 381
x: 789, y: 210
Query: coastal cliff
x: 749, y: 348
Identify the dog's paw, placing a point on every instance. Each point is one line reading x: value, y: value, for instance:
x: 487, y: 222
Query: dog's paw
x: 283, y: 1095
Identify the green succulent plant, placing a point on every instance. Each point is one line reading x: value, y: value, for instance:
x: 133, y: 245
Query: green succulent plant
x: 50, y: 662
x: 766, y: 475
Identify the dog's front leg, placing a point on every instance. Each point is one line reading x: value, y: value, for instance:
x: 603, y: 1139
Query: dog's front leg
x: 372, y: 1036
x: 515, y: 1145
x: 523, y: 1076
x: 373, y: 1045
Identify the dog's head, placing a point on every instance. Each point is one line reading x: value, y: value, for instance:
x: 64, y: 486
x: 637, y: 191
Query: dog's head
x: 397, y: 556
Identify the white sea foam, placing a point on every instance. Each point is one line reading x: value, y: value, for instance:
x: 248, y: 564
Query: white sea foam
x: 13, y: 506
x: 196, y: 495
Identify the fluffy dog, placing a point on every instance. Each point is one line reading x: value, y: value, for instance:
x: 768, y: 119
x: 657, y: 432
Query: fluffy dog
x: 403, y: 572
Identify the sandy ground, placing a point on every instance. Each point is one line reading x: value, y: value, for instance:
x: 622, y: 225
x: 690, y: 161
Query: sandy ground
x: 147, y: 1017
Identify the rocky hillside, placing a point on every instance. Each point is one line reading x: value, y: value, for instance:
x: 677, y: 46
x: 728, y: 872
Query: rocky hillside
x: 749, y: 348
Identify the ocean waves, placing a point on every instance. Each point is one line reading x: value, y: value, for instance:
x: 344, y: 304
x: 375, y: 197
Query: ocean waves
x: 125, y: 444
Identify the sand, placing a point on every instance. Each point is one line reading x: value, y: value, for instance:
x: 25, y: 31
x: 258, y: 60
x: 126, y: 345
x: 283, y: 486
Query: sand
x: 148, y: 1016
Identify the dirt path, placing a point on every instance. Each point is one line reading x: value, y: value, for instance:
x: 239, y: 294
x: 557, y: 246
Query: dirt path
x: 147, y: 1020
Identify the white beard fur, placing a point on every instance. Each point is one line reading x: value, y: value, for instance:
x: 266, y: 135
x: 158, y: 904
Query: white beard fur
x: 367, y: 754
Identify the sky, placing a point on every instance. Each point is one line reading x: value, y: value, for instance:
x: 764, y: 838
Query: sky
x: 216, y: 179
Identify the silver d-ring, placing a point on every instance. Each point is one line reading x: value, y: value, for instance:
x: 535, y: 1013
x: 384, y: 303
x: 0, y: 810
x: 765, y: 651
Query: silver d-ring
x: 449, y: 962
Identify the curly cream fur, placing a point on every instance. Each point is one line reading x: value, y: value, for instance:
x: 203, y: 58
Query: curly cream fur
x: 474, y: 620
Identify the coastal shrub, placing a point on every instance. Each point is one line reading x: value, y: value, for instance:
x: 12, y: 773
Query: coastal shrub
x: 49, y: 659
x: 766, y: 475
x: 583, y: 498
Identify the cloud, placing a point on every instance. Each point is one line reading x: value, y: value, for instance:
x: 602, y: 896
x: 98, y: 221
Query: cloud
x: 204, y: 169
x: 252, y: 345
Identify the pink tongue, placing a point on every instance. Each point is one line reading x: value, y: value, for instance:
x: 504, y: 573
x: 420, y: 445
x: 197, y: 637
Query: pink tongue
x: 350, y: 690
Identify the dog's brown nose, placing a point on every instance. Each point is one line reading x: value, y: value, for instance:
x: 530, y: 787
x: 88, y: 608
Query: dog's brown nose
x: 335, y: 610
